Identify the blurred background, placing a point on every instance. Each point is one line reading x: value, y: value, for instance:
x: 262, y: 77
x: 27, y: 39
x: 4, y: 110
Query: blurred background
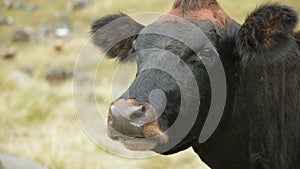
x: 40, y: 41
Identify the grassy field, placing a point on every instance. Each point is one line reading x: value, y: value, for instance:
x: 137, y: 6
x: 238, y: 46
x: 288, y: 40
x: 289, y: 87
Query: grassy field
x: 38, y: 120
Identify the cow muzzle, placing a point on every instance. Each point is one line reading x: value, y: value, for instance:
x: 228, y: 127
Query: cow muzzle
x: 135, y: 125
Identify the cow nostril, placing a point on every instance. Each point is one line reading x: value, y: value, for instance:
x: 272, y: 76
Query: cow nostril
x: 137, y: 115
x: 143, y: 109
x: 110, y: 119
x: 115, y: 138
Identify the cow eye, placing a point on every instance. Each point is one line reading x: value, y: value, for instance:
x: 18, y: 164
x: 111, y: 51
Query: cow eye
x: 206, y: 52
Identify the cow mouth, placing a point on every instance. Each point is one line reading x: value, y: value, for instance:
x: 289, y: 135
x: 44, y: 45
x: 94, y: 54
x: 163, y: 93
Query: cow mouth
x: 148, y: 137
x: 141, y: 143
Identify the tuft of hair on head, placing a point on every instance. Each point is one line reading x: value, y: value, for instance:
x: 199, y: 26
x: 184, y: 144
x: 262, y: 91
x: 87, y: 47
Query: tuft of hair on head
x: 190, y: 5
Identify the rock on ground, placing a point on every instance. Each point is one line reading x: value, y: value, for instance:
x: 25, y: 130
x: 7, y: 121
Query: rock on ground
x: 8, y: 161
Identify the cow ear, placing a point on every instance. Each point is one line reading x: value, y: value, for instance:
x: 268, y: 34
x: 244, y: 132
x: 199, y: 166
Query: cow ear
x: 114, y: 34
x: 267, y: 30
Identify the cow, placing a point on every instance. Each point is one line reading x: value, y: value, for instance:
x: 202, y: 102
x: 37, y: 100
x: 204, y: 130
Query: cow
x: 258, y: 123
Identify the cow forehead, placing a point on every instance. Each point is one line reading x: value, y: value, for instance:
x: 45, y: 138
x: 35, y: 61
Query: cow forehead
x: 178, y: 33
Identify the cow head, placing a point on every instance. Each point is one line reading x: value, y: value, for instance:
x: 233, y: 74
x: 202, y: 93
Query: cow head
x: 165, y: 107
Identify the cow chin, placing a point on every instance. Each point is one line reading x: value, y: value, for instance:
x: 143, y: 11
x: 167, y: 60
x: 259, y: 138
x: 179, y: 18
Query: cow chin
x: 140, y: 144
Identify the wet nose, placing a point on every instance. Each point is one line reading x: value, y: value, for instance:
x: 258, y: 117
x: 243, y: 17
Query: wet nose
x: 127, y: 112
x: 134, y: 124
x: 138, y: 113
x: 128, y: 116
